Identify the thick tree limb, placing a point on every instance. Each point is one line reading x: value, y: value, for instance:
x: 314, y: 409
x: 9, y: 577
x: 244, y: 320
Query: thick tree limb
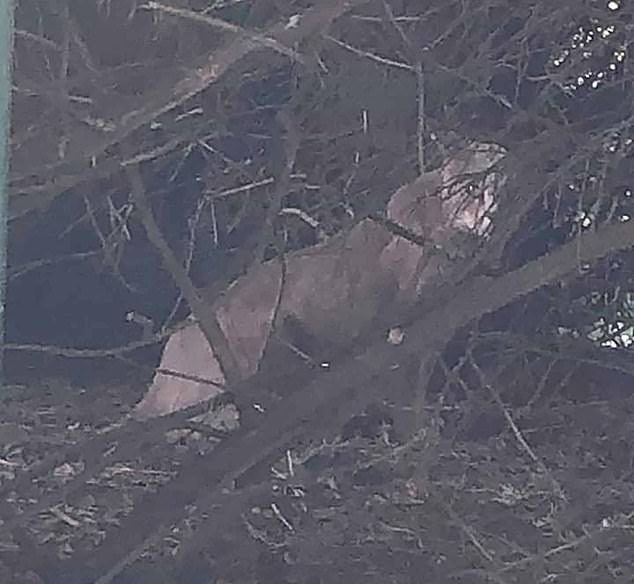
x: 335, y: 396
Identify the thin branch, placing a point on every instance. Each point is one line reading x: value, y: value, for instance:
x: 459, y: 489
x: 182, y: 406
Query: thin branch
x: 484, y: 295
x: 218, y: 23
x: 524, y: 445
x: 291, y: 145
x: 469, y: 531
x: 397, y: 25
x: 189, y: 258
x: 107, y: 251
x: 80, y: 353
x: 19, y: 271
x: 201, y: 310
x: 421, y: 129
x: 369, y: 55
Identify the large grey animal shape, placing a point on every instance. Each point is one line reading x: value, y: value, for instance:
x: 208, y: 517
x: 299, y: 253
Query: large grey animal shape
x: 335, y: 289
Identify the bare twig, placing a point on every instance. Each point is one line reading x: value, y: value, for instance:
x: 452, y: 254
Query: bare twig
x: 421, y: 125
x: 241, y: 189
x: 291, y: 145
x: 515, y: 429
x: 191, y: 248
x: 368, y: 55
x: 397, y: 25
x: 107, y: 252
x: 469, y: 531
x: 19, y: 271
x: 78, y: 353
